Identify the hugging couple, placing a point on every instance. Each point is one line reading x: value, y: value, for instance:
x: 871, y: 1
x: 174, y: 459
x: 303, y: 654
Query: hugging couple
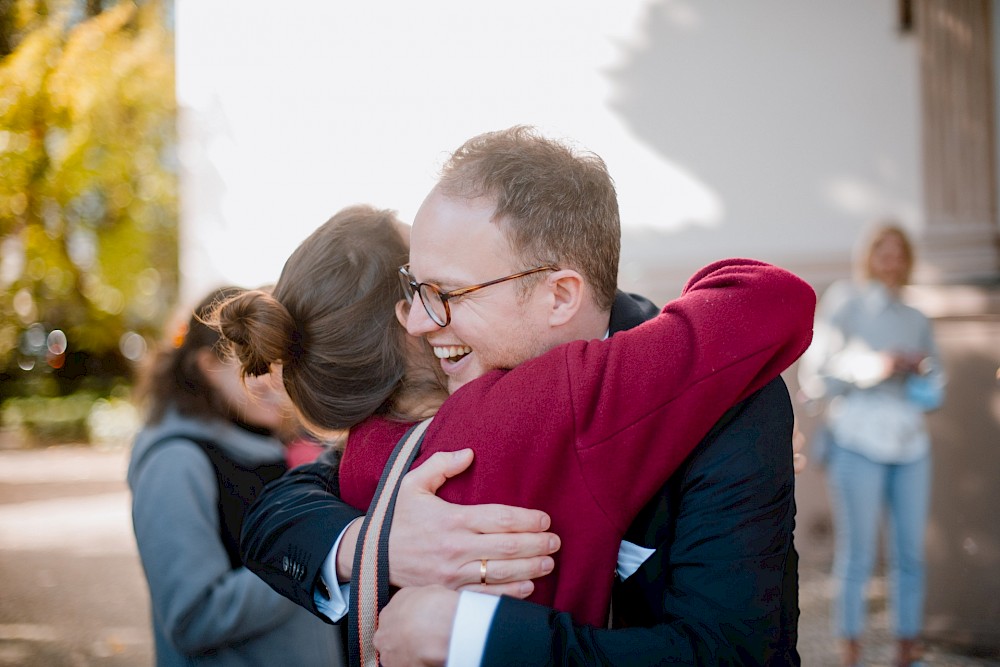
x: 603, y: 481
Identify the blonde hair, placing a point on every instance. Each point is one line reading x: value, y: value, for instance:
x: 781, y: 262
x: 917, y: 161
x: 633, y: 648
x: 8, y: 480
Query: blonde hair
x: 876, y: 236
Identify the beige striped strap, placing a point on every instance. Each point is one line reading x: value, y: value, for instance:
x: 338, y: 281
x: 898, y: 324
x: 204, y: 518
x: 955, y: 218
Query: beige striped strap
x: 370, y: 583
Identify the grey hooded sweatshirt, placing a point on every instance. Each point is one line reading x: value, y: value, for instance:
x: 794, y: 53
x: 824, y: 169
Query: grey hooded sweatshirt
x: 204, y: 611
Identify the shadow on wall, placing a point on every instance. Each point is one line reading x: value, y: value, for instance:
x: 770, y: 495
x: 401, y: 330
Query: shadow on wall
x: 803, y: 139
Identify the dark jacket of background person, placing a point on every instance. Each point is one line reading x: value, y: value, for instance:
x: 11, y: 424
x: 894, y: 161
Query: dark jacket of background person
x: 748, y: 614
x: 192, y: 477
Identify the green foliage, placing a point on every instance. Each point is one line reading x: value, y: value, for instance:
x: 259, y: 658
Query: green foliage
x: 88, y: 184
x: 49, y: 420
x: 80, y: 417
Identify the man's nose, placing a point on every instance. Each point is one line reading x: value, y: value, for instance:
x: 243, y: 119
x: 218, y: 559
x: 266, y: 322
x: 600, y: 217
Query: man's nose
x: 418, y: 322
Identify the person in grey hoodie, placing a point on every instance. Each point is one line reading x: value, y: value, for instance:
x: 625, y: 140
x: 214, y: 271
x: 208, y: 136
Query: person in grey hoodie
x: 208, y: 447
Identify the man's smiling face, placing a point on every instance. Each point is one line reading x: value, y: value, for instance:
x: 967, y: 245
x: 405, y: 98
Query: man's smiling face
x: 454, y: 244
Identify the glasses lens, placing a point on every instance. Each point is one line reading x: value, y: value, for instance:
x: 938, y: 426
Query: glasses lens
x: 407, y: 282
x: 433, y: 304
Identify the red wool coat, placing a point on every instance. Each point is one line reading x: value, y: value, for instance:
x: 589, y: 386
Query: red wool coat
x: 591, y: 430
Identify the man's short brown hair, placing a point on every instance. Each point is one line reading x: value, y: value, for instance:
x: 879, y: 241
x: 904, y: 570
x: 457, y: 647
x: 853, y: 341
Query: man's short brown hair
x: 555, y: 204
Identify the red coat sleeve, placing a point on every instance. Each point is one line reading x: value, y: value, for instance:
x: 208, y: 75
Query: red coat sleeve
x: 643, y: 399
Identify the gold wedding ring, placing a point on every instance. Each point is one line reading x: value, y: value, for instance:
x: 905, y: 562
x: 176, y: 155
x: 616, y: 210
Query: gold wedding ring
x: 482, y: 571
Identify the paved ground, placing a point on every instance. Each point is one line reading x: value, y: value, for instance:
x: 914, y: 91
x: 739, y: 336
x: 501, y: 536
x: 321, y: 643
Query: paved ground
x: 73, y: 593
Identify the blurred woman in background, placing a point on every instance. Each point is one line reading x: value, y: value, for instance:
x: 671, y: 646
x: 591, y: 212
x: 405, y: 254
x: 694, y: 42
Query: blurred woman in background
x: 209, y: 445
x: 874, y: 362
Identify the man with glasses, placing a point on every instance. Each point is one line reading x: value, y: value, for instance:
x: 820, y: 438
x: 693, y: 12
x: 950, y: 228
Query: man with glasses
x: 514, y: 252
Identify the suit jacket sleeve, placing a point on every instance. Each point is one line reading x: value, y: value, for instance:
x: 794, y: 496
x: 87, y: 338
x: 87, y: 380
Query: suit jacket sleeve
x: 290, y: 529
x: 721, y: 587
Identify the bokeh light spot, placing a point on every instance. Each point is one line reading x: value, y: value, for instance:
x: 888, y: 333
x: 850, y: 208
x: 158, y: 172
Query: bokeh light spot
x: 24, y: 305
x: 56, y: 342
x: 132, y: 345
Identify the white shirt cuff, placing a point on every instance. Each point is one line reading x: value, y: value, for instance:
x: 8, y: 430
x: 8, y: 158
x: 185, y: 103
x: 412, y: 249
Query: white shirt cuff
x: 340, y: 595
x: 470, y: 629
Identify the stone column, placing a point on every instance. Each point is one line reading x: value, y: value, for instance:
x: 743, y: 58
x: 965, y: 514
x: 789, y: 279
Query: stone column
x: 961, y: 242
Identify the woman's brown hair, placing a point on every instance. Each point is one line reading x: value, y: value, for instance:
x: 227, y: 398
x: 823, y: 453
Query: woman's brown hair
x: 174, y: 378
x: 330, y: 321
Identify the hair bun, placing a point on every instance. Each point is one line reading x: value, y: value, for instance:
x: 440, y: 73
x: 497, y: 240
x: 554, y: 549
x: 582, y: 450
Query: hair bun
x: 258, y: 330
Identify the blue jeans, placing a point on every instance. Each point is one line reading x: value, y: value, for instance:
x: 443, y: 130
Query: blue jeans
x: 860, y: 491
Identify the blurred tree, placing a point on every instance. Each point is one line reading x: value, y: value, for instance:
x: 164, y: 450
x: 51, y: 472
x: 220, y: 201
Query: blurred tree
x: 6, y: 27
x: 88, y: 187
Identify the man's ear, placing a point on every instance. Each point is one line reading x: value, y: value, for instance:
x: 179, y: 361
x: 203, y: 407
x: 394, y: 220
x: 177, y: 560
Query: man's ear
x: 568, y: 291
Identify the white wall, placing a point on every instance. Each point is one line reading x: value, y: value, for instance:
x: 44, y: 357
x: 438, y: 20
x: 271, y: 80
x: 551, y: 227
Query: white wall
x: 772, y: 128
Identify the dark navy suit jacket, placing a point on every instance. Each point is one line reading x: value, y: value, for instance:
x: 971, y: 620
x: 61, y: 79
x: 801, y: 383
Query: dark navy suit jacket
x: 720, y: 588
